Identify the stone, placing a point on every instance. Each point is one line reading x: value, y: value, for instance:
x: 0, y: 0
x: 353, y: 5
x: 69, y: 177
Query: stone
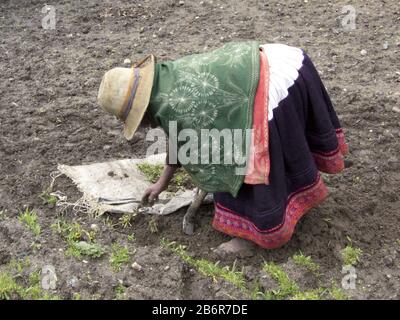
x: 73, y: 282
x: 136, y: 266
x: 385, y: 45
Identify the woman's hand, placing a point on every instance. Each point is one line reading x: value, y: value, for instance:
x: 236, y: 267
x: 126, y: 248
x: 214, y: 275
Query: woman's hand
x: 151, y: 194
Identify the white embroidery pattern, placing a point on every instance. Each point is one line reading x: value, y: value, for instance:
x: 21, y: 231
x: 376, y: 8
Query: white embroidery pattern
x: 181, y: 99
x: 204, y: 114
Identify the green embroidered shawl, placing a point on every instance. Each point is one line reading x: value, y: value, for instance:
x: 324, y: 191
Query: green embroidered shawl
x: 213, y: 90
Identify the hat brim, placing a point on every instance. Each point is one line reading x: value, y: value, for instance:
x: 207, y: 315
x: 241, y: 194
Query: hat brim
x: 142, y: 98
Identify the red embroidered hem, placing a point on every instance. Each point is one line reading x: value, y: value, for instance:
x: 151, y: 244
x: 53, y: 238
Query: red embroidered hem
x: 299, y: 203
x: 332, y: 162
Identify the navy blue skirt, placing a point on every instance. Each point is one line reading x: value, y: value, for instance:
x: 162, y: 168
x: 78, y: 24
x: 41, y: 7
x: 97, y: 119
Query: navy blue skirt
x: 305, y: 137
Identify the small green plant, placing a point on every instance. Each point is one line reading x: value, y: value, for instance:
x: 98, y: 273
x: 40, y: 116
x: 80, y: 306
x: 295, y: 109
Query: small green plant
x: 287, y: 287
x: 47, y: 198
x: 107, y: 221
x: 119, y: 256
x: 256, y: 291
x: 82, y: 248
x: 126, y: 220
x: 153, y: 225
x: 76, y: 296
x: 30, y: 219
x: 119, y: 291
x: 74, y: 234
x: 34, y: 277
x: 350, y: 255
x: 8, y: 286
x: 305, y: 261
x: 73, y: 231
x: 131, y: 237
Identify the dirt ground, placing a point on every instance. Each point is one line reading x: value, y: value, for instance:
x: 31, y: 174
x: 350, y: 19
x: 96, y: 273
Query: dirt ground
x: 49, y: 116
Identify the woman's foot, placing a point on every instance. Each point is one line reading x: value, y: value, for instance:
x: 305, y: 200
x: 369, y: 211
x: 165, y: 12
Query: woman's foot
x: 237, y: 246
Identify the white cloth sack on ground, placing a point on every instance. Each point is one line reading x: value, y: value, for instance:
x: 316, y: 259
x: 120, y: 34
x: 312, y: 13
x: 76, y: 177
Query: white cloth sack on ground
x: 122, y: 179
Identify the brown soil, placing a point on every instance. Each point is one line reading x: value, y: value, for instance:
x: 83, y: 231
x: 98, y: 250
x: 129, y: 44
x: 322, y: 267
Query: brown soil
x: 48, y: 116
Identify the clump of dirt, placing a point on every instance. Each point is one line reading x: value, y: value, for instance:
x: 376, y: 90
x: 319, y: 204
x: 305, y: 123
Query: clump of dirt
x: 49, y: 115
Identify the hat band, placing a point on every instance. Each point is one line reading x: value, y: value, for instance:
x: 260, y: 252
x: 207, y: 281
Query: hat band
x: 128, y: 106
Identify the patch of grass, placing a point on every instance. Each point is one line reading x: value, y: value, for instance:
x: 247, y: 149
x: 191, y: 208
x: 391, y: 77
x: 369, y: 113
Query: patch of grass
x: 315, y: 294
x: 30, y: 219
x: 256, y: 291
x: 69, y: 231
x: 306, y: 261
x: 350, y: 255
x: 8, y: 286
x: 206, y: 267
x: 131, y: 237
x: 47, y: 198
x: 153, y: 171
x: 18, y: 266
x: 119, y: 256
x: 215, y: 271
x: 34, y: 290
x: 337, y: 293
x: 11, y: 289
x: 287, y: 287
x: 82, y: 248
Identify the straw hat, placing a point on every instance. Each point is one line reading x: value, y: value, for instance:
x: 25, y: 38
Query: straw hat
x: 125, y: 93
